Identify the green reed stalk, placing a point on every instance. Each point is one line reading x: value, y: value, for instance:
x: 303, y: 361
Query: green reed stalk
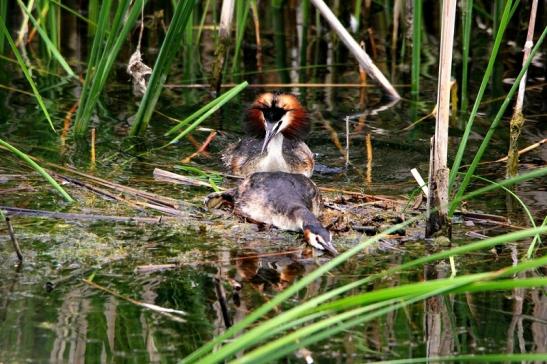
x: 416, y: 47
x: 104, y: 51
x: 289, y: 292
x: 161, y: 68
x: 532, y: 246
x: 37, y: 168
x: 495, y: 122
x: 76, y: 13
x: 357, y: 14
x: 23, y: 66
x: 305, y: 8
x: 242, y: 13
x: 467, y: 17
x: 50, y: 44
x: 489, y: 68
x: 3, y: 13
x: 93, y: 10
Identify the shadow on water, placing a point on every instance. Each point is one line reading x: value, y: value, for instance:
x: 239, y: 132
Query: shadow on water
x: 216, y: 267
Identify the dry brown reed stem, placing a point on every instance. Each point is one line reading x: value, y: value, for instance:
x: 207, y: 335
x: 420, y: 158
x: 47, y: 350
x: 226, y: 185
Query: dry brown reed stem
x: 151, y: 197
x: 437, y: 202
x: 67, y: 122
x: 92, y: 148
x: 224, y: 33
x: 362, y: 57
x: 281, y: 85
x: 167, y: 312
x: 16, y: 211
x: 368, y: 144
x: 166, y: 176
x: 517, y: 120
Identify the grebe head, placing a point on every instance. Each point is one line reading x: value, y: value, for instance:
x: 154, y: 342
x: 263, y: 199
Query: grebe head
x: 272, y: 114
x: 320, y: 238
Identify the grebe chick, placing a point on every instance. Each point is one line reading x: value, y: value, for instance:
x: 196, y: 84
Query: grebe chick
x: 287, y: 201
x: 276, y: 124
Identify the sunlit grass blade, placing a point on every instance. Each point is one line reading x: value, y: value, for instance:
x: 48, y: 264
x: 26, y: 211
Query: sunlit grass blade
x: 487, y: 73
x: 48, y: 42
x: 169, y: 48
x: 26, y: 72
x: 206, y: 111
x: 37, y: 168
x: 486, y: 140
x: 312, y: 276
x: 106, y: 46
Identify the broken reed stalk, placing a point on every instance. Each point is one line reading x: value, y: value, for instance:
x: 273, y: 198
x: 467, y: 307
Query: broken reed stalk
x: 92, y: 152
x: 517, y: 120
x: 224, y: 41
x: 437, y: 202
x: 14, y: 241
x: 355, y: 49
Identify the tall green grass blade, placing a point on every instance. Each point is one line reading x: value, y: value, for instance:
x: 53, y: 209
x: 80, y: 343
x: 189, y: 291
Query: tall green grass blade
x: 467, y: 17
x: 168, y: 50
x: 23, y: 66
x: 242, y: 12
x: 204, y: 112
x: 532, y: 246
x: 37, y: 168
x: 48, y: 42
x: 423, y: 287
x: 357, y: 14
x: 201, y: 24
x: 516, y: 197
x: 489, y: 68
x: 495, y: 122
x: 416, y: 47
x: 104, y: 51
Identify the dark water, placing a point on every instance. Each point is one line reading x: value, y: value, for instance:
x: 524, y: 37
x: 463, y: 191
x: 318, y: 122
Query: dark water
x: 47, y: 313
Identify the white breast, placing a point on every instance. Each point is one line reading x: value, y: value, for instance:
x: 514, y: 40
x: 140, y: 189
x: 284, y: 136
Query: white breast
x: 274, y: 161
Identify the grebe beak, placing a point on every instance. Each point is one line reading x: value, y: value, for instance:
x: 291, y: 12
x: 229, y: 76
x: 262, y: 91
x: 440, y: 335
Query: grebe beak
x: 272, y: 129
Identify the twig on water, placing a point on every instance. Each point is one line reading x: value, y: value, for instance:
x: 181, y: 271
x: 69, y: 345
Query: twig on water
x: 221, y: 296
x: 17, y: 211
x: 167, y: 312
x: 212, y: 135
x: 14, y: 241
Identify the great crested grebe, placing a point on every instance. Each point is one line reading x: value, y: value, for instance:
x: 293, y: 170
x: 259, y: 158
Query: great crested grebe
x: 276, y: 124
x: 287, y: 201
